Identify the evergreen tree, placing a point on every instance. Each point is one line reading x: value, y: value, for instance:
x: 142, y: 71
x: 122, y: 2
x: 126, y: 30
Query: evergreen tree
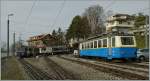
x: 74, y: 29
x: 79, y: 28
x: 61, y: 37
x: 140, y: 20
x: 54, y: 33
x: 85, y: 28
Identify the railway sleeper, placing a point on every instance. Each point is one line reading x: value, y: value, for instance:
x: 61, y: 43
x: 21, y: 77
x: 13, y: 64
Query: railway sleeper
x: 61, y: 73
x: 35, y: 73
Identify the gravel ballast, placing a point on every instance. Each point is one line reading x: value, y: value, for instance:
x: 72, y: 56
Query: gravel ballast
x: 85, y: 73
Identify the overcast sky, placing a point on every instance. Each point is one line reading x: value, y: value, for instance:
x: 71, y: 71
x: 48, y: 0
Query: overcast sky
x: 44, y: 13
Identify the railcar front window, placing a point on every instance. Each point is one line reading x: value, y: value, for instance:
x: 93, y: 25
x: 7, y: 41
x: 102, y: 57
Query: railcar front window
x: 127, y: 41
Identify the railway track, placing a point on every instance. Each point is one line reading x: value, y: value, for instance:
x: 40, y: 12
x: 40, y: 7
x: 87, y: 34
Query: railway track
x: 137, y: 69
x: 144, y: 65
x: 35, y: 73
x: 132, y: 64
x: 59, y: 72
x: 141, y: 67
x: 117, y: 70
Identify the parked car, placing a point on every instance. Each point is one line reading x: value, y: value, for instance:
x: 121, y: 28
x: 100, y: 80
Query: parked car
x: 142, y: 55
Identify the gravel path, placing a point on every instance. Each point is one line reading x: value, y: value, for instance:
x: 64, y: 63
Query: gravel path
x: 85, y: 73
x: 11, y: 69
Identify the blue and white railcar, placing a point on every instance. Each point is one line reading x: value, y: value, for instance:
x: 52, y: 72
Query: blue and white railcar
x: 114, y: 47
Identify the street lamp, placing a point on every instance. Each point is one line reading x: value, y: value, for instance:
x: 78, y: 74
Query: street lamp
x: 8, y: 34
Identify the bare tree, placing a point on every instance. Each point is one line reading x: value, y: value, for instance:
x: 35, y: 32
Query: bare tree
x: 96, y: 17
x: 109, y: 13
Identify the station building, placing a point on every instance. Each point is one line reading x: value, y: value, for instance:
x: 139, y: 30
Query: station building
x: 41, y: 41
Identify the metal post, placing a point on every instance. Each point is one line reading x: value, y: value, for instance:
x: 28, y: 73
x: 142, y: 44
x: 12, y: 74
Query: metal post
x: 8, y: 37
x: 14, y: 45
x: 8, y: 34
x: 146, y: 42
x: 109, y: 45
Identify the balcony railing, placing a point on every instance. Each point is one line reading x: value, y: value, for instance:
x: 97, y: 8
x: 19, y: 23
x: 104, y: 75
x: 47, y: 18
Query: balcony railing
x: 120, y: 25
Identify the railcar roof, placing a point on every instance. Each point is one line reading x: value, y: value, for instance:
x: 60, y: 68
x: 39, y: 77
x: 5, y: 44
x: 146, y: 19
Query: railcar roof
x: 106, y: 35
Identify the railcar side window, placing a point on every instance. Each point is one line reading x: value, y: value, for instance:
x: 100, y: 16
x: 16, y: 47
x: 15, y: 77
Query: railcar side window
x: 127, y: 41
x: 95, y: 44
x: 82, y: 46
x: 113, y: 42
x: 99, y: 43
x: 104, y: 42
x: 91, y: 45
x: 88, y: 45
x: 85, y: 45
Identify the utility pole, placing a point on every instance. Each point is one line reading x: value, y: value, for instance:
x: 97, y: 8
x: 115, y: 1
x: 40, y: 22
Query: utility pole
x: 14, y: 49
x: 20, y: 41
x: 8, y: 34
x: 146, y: 38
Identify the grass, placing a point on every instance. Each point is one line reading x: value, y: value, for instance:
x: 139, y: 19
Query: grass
x: 10, y: 70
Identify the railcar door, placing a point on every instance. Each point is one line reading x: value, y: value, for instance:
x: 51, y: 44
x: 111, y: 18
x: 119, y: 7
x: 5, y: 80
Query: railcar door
x: 109, y: 48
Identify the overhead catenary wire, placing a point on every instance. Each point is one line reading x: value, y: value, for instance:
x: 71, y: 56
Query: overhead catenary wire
x: 59, y: 12
x: 109, y: 5
x: 140, y: 10
x: 22, y: 23
x: 145, y: 9
x: 30, y: 12
x: 113, y: 2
